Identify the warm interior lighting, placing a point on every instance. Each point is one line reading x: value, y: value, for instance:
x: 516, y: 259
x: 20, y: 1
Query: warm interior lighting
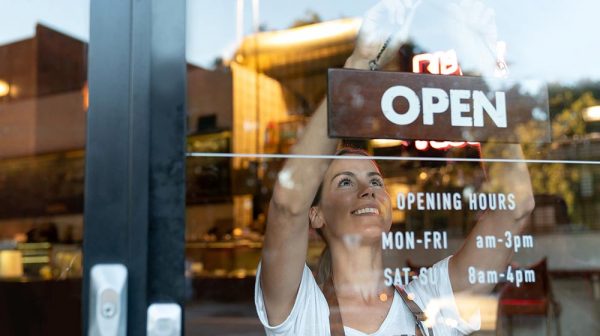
x: 85, y: 92
x: 310, y: 33
x: 4, y: 88
x: 592, y: 113
x: 276, y: 44
x: 237, y: 232
x: 11, y: 264
x: 378, y: 143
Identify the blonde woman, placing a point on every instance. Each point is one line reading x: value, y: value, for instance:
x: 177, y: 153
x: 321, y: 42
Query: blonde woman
x: 347, y: 201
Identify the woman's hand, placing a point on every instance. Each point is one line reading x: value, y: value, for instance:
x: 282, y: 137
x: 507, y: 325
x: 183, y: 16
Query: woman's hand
x: 387, y: 23
x: 475, y: 23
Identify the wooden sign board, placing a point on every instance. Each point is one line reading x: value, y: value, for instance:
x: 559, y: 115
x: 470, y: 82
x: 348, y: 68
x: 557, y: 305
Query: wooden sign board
x: 396, y: 105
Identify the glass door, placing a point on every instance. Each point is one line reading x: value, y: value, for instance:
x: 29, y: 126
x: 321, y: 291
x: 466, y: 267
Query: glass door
x: 43, y: 108
x: 469, y: 130
x: 134, y: 191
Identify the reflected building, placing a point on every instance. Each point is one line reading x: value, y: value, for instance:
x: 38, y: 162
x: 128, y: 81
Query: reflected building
x: 257, y: 102
x: 44, y: 107
x: 279, y: 78
x: 42, y: 132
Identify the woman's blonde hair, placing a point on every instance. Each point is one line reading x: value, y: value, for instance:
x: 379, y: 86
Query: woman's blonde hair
x: 324, y: 268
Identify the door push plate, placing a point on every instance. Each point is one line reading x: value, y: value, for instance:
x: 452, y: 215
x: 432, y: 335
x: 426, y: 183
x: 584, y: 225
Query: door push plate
x: 164, y: 319
x: 108, y: 300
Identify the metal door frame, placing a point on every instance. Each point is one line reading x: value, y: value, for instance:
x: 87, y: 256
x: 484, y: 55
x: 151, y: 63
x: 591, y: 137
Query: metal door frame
x: 135, y: 150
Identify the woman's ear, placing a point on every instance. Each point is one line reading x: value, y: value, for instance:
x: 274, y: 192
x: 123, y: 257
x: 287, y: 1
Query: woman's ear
x: 315, y: 218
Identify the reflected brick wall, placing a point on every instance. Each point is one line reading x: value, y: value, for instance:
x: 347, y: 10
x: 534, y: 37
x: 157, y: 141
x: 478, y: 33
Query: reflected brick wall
x: 45, y: 110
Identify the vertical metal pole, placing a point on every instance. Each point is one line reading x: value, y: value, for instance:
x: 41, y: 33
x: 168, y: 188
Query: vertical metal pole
x: 167, y: 160
x: 134, y: 190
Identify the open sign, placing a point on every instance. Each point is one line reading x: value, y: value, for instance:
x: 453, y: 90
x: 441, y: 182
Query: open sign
x: 460, y: 103
x: 368, y: 104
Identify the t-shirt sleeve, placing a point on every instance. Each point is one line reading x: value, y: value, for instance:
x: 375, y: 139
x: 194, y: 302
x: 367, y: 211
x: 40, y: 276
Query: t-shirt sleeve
x: 433, y: 293
x: 309, y: 313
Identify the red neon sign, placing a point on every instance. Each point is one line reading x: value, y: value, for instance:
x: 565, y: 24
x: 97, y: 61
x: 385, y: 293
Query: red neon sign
x: 438, y: 63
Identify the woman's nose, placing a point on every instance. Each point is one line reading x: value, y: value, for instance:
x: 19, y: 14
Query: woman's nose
x: 367, y: 192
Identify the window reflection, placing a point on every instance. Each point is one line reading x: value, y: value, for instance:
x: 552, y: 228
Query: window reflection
x: 278, y: 79
x: 43, y: 105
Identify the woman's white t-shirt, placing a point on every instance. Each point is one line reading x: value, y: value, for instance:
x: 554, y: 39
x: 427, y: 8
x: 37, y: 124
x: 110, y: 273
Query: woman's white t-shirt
x: 310, y: 313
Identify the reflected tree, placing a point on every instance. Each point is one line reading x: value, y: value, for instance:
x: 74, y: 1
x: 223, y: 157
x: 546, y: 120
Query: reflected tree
x: 566, y: 105
x: 310, y: 17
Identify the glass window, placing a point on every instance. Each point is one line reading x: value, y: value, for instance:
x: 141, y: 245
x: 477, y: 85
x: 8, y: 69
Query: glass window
x: 470, y: 130
x: 43, y: 104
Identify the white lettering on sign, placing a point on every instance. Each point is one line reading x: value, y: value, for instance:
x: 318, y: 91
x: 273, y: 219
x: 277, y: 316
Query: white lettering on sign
x: 403, y: 276
x: 462, y: 104
x: 430, y: 106
x: 515, y: 276
x: 497, y: 113
x: 398, y: 240
x: 457, y: 108
x: 387, y: 106
x: 429, y: 201
x: 453, y: 201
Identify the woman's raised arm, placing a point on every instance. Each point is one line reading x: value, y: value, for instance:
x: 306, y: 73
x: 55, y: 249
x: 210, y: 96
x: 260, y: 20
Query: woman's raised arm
x: 286, y: 236
x: 506, y: 178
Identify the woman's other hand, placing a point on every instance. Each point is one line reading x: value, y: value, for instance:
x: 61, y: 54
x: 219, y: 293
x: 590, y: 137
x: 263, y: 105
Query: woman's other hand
x: 475, y: 23
x: 388, y: 22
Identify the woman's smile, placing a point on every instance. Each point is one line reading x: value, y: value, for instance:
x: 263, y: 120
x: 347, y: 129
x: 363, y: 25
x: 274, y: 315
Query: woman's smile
x: 366, y: 211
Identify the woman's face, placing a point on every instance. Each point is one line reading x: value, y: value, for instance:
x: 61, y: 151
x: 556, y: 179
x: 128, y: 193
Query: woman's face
x: 354, y: 202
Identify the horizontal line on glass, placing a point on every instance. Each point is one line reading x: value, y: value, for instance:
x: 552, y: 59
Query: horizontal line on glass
x: 389, y: 158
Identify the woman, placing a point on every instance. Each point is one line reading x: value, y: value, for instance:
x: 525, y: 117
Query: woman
x: 352, y: 209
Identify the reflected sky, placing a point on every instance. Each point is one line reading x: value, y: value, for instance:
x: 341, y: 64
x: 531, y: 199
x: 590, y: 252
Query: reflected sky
x: 550, y: 40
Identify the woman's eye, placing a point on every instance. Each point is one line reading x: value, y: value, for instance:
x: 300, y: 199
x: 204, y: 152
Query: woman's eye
x: 345, y: 182
x: 377, y: 182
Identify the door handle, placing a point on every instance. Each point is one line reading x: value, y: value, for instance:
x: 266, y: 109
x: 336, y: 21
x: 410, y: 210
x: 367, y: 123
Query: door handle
x: 108, y: 300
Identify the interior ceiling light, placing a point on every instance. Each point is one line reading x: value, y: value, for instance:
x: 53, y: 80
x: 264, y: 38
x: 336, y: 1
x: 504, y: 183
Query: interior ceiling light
x: 592, y: 113
x: 4, y: 88
x: 387, y: 143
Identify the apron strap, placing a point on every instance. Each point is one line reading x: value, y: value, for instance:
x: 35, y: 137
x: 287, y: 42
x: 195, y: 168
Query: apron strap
x: 336, y: 325
x: 419, y: 315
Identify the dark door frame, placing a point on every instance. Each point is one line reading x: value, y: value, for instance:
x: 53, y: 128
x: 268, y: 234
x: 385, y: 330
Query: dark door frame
x: 135, y: 150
